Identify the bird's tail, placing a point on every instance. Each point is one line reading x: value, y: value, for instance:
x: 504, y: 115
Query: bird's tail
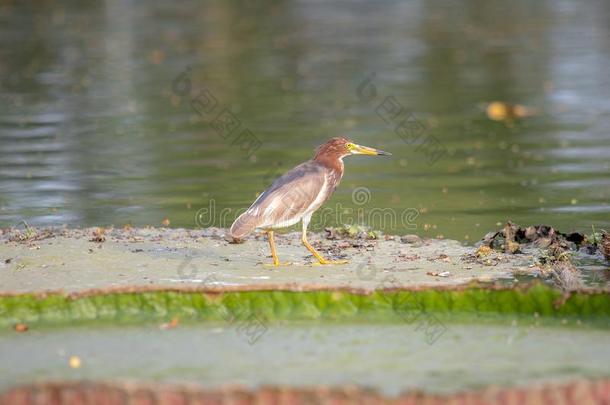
x: 243, y: 225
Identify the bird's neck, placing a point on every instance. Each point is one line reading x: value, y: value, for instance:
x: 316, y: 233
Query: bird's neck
x: 335, y: 163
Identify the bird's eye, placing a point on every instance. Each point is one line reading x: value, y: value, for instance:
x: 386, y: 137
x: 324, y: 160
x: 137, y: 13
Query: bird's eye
x: 350, y: 146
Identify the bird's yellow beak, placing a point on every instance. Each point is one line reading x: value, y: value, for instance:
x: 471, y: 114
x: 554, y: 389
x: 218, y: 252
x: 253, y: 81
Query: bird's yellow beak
x: 365, y: 150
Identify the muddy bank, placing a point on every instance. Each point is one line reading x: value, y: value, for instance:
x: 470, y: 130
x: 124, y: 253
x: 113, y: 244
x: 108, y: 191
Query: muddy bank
x: 35, y: 260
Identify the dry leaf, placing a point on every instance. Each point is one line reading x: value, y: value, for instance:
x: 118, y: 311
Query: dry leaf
x: 21, y: 327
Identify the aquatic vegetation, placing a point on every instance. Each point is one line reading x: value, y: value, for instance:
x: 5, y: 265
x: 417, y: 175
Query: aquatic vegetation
x: 29, y: 234
x: 352, y: 232
x: 457, y: 304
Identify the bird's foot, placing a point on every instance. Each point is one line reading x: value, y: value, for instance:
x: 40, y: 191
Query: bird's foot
x: 330, y: 262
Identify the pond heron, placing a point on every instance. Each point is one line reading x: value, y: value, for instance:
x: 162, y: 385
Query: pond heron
x: 296, y: 195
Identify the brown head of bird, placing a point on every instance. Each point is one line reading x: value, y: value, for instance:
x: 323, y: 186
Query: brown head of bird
x: 296, y: 195
x: 334, y: 150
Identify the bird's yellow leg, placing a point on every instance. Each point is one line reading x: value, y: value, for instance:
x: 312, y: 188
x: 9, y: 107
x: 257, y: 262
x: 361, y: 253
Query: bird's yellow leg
x: 276, y: 260
x: 317, y: 255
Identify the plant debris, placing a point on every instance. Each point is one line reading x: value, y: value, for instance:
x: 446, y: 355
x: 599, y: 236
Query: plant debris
x: 441, y: 274
x: 351, y: 232
x: 442, y: 257
x: 483, y: 251
x: 411, y: 239
x: 565, y: 275
x: 406, y: 257
x: 170, y: 325
x: 511, y: 238
x: 21, y: 327
x: 99, y: 235
x: 605, y: 245
x: 554, y: 249
x: 30, y: 234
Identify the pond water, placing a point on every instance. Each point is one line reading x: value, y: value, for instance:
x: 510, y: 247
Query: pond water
x: 389, y: 358
x: 108, y: 111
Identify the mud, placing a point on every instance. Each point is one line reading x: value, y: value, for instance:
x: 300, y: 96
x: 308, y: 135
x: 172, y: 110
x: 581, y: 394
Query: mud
x: 81, y: 259
x: 35, y: 260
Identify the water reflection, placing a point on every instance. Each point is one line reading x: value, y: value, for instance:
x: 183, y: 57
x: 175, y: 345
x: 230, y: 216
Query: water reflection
x: 92, y: 134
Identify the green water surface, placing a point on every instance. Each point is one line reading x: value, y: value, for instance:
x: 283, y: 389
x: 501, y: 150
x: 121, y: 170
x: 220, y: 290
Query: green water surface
x: 97, y: 126
x: 390, y: 358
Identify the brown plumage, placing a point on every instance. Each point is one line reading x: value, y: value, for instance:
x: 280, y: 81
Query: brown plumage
x: 296, y: 195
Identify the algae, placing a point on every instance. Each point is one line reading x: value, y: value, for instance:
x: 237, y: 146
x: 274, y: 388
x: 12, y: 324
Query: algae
x: 475, y: 303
